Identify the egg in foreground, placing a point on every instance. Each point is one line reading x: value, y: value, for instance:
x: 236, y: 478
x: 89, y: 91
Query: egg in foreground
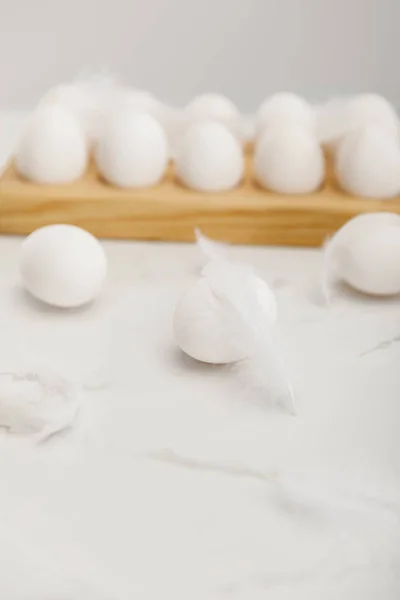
x: 62, y: 265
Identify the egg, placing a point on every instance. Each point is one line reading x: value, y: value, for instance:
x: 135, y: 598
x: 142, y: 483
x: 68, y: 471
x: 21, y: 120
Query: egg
x: 133, y: 151
x: 53, y: 148
x: 367, y: 163
x: 285, y: 108
x: 137, y: 100
x: 62, y: 265
x: 365, y: 254
x: 209, y: 158
x: 213, y: 107
x: 202, y: 329
x: 229, y: 315
x: 372, y: 109
x: 342, y: 116
x: 289, y: 160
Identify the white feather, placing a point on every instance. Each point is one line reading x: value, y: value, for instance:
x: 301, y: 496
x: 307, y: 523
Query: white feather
x: 252, y: 327
x: 329, y: 271
x: 212, y: 250
x: 90, y: 99
x: 37, y: 402
x: 341, y: 116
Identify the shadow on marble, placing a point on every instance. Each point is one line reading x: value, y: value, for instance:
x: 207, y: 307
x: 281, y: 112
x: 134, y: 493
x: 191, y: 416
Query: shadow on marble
x: 177, y: 359
x: 22, y: 299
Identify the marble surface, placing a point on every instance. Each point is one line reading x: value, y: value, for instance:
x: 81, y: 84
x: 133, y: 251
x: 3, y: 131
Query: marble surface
x: 169, y: 491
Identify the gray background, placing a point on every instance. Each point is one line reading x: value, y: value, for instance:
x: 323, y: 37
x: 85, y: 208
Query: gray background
x: 177, y: 48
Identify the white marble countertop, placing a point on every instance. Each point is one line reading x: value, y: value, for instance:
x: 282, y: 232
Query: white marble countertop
x: 166, y: 495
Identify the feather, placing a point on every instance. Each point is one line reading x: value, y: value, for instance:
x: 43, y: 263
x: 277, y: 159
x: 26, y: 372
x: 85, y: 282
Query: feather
x: 89, y: 98
x: 329, y: 274
x: 250, y: 322
x: 37, y: 402
x: 332, y: 121
x: 210, y: 249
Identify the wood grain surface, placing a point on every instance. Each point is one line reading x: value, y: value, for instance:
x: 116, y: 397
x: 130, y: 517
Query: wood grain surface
x: 247, y: 215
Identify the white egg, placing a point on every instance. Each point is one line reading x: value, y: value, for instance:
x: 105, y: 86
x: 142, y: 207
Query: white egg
x: 364, y: 225
x: 365, y: 254
x: 209, y: 158
x: 342, y: 116
x: 62, y: 265
x: 212, y: 107
x: 133, y: 151
x: 137, y: 100
x: 203, y: 329
x: 367, y: 163
x: 285, y: 108
x: 289, y: 160
x: 372, y: 109
x: 53, y: 148
x: 373, y: 263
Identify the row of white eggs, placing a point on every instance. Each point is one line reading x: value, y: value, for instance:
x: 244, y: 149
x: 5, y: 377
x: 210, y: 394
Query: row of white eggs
x: 132, y: 151
x: 362, y: 133
x: 66, y: 266
x: 228, y: 315
x: 133, y: 144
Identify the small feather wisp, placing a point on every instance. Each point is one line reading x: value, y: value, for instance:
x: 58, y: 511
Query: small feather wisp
x: 37, y: 402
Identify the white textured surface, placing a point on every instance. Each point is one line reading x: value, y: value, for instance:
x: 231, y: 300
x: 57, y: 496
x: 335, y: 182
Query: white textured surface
x: 162, y: 500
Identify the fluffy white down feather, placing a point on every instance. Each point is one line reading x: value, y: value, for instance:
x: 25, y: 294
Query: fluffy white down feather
x: 340, y: 116
x: 88, y: 98
x: 37, y: 402
x: 251, y: 327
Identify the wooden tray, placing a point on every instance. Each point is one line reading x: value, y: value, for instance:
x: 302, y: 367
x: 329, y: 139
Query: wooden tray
x: 247, y: 215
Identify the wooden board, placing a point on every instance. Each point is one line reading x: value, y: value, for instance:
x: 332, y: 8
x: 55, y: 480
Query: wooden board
x: 247, y: 215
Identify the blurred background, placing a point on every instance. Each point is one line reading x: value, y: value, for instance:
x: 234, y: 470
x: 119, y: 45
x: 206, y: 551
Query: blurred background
x: 178, y: 48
